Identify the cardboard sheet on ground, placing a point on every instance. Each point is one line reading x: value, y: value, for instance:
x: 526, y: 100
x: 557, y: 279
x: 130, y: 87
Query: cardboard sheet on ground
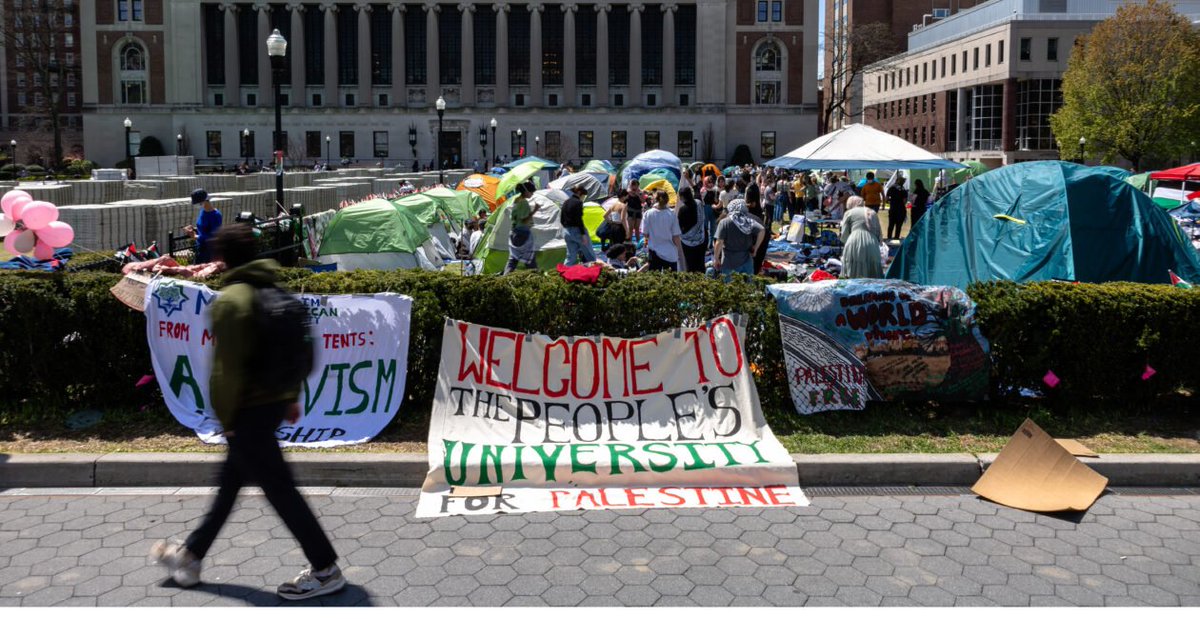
x: 527, y: 422
x: 849, y: 341
x: 358, y: 377
x: 1036, y: 473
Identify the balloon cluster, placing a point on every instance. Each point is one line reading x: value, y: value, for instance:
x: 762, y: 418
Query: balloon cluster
x: 29, y: 225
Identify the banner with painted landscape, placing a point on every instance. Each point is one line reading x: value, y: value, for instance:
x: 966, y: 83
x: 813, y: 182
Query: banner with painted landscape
x: 357, y: 383
x: 849, y: 341
x: 526, y: 422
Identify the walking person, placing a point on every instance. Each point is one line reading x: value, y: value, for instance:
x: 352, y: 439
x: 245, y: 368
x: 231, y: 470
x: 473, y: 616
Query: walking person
x: 872, y: 192
x: 255, y: 384
x: 695, y: 236
x: 710, y: 204
x: 897, y: 197
x: 634, y: 206
x: 920, y: 201
x: 207, y: 224
x: 737, y: 240
x: 661, y: 229
x: 579, y: 242
x: 860, y: 233
x: 520, y: 240
x: 755, y: 208
x: 615, y: 226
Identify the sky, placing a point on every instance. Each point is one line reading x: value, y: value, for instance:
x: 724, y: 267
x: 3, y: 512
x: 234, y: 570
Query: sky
x: 820, y: 40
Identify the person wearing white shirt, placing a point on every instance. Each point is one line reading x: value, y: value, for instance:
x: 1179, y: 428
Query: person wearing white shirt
x: 660, y: 226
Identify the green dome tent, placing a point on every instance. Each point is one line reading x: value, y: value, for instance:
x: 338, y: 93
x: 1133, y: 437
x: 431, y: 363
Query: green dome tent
x: 1045, y: 220
x: 377, y: 235
x: 550, y: 248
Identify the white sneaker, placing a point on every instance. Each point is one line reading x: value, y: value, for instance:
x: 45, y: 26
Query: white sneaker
x: 311, y: 584
x: 181, y: 564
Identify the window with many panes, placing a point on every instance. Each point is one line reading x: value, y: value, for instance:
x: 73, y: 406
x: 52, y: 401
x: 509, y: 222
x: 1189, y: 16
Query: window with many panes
x: 618, y: 144
x: 553, y: 29
x: 518, y: 47
x: 585, y: 45
x: 414, y: 45
x: 766, y: 144
x: 485, y: 47
x: 618, y: 46
x: 347, y: 48
x: 587, y: 144
x: 1052, y: 49
x: 1037, y: 100
x: 314, y: 47
x: 685, y: 45
x: 312, y: 144
x: 1026, y: 48
x: 768, y: 74
x: 129, y: 10
x: 449, y: 46
x: 381, y: 47
x: 212, y: 139
x: 652, y: 48
x: 554, y: 145
x: 684, y: 145
x: 515, y: 144
x: 380, y: 141
x: 346, y: 144
x: 652, y: 140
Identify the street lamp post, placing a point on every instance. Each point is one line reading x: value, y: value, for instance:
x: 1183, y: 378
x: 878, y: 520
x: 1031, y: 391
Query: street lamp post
x: 178, y: 144
x: 537, y: 145
x: 328, y: 142
x: 277, y: 49
x: 495, y: 144
x: 412, y: 141
x: 128, y: 157
x: 520, y: 142
x: 1082, y: 145
x: 441, y: 111
x: 246, y: 145
x: 483, y: 142
x: 13, y: 144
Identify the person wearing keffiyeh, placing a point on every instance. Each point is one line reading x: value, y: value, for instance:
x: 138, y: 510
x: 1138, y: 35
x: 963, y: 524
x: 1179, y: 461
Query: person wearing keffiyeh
x: 737, y: 239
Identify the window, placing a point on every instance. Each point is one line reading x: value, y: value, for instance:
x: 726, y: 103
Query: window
x: 214, y: 44
x: 381, y: 48
x: 285, y: 99
x: 449, y: 23
x: 766, y: 144
x: 518, y: 47
x: 347, y: 48
x: 552, y: 100
x: 218, y: 99
x: 129, y: 10
x: 768, y: 74
x: 314, y: 47
x: 619, y: 100
x: 248, y: 51
x: 777, y: 11
x: 1000, y: 53
x: 953, y: 64
x: 684, y: 100
x: 1037, y: 100
x: 1026, y: 48
x: 552, y: 48
x: 346, y: 144
x: 685, y: 45
x: 618, y: 144
x: 519, y: 100
x: 651, y: 140
x: 515, y: 144
x: 943, y: 66
x: 987, y: 55
x: 252, y: 99
x: 247, y: 145
x: 414, y: 45
x: 213, y: 141
x: 381, y: 144
x: 133, y: 74
x: 553, y: 145
x: 964, y: 61
x: 317, y: 100
x: 20, y: 80
x: 986, y: 116
x: 586, y: 144
x: 1052, y: 49
x: 312, y: 144
x: 485, y: 47
x: 651, y: 100
x: 684, y: 145
x: 652, y: 48
x: 618, y: 46
x: 975, y: 64
x: 762, y: 10
x: 586, y: 100
x: 924, y: 71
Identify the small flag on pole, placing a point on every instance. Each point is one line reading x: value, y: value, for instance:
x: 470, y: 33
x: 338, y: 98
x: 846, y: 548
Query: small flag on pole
x: 1148, y: 372
x: 1177, y: 281
x: 1051, y: 379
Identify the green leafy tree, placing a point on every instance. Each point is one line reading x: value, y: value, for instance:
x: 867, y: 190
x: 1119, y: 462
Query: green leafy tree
x: 1132, y: 88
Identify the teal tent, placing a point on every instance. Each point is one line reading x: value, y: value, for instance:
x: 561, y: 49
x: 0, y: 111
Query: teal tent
x: 1045, y: 220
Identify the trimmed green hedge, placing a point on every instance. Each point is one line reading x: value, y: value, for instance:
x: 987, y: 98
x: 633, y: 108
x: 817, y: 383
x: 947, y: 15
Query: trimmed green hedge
x: 66, y: 341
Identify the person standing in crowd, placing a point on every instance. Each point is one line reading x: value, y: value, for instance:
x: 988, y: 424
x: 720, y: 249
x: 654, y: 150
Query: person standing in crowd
x: 633, y: 212
x: 579, y: 242
x: 799, y: 182
x: 920, y: 200
x: 250, y: 411
x: 812, y: 195
x: 521, y: 249
x: 737, y: 240
x: 897, y: 197
x: 692, y: 220
x: 839, y: 204
x: 755, y: 208
x: 872, y: 192
x: 661, y: 230
x: 617, y: 226
x: 860, y: 234
x: 207, y: 224
x: 476, y: 229
x: 708, y: 201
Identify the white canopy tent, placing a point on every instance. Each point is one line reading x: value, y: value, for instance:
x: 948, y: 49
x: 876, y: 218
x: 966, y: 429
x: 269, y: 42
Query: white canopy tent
x: 859, y: 147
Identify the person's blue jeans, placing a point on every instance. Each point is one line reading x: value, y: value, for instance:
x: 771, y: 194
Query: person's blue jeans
x: 746, y: 268
x: 578, y: 242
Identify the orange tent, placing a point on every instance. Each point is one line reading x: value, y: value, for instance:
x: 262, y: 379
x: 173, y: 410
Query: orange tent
x: 710, y: 169
x: 485, y: 187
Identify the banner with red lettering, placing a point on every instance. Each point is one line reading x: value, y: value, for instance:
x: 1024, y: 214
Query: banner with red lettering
x: 525, y: 422
x: 356, y: 386
x: 849, y: 341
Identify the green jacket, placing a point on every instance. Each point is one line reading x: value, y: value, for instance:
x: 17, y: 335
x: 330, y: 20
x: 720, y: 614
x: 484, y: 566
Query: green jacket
x: 231, y: 385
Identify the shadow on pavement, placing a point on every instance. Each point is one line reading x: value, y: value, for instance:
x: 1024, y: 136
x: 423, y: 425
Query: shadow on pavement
x: 351, y: 595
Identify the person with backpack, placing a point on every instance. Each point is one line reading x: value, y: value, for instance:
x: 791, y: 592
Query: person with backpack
x: 262, y: 352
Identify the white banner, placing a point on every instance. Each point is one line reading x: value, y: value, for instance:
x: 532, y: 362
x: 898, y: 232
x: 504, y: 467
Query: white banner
x: 525, y: 422
x: 358, y: 376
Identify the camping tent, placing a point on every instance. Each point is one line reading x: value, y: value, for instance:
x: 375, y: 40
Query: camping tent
x: 970, y: 169
x: 549, y: 246
x: 858, y: 147
x: 547, y: 164
x: 456, y: 205
x: 1044, y: 220
x: 484, y: 186
x: 647, y: 161
x: 665, y: 185
x: 439, y: 220
x: 593, y: 216
x: 377, y: 235
x: 593, y: 188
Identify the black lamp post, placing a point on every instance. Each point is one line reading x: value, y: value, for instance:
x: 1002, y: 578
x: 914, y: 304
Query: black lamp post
x: 13, y: 144
x: 441, y: 110
x: 328, y: 143
x: 495, y: 145
x: 246, y: 145
x: 412, y: 140
x: 520, y: 142
x: 178, y: 144
x: 1082, y: 144
x: 483, y: 142
x: 277, y: 49
x: 128, y: 156
x: 537, y: 145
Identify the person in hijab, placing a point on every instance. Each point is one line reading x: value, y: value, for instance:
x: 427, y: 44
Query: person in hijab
x: 695, y: 230
x: 860, y: 234
x: 737, y: 239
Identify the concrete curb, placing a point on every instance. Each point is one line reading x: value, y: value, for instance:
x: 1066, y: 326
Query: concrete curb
x: 408, y: 470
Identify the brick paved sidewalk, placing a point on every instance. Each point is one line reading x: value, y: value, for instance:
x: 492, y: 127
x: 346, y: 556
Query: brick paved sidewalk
x: 88, y: 547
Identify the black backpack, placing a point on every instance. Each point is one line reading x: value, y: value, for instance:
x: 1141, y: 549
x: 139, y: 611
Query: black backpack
x: 285, y: 354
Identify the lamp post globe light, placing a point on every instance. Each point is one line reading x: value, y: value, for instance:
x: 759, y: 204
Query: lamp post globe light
x: 495, y: 144
x: 246, y: 145
x: 13, y: 144
x: 1082, y: 145
x: 441, y: 111
x: 277, y: 49
x: 520, y: 142
x: 179, y: 144
x: 537, y: 145
x: 328, y: 142
x: 129, y: 157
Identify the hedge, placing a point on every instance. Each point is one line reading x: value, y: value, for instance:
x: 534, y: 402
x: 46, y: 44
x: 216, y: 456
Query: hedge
x: 66, y: 341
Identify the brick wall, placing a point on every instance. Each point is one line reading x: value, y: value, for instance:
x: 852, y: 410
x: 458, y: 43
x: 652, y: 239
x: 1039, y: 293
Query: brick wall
x: 153, y: 12
x: 105, y: 12
x: 745, y: 12
x: 104, y: 66
x: 909, y: 122
x: 794, y: 66
x: 795, y: 69
x: 793, y: 13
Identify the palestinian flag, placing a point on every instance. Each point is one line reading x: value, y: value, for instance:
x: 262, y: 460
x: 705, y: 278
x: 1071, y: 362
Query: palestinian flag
x: 1177, y: 282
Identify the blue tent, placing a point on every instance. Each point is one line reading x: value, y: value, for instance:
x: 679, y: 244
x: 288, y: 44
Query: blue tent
x: 649, y: 161
x: 1045, y: 220
x: 548, y: 165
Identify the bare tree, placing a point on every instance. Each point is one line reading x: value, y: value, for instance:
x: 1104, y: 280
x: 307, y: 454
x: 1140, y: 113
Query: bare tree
x: 33, y: 34
x: 567, y: 149
x: 707, y: 145
x: 851, y: 53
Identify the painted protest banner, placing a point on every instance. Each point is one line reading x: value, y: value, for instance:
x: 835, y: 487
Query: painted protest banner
x: 525, y: 422
x: 358, y: 377
x: 846, y: 342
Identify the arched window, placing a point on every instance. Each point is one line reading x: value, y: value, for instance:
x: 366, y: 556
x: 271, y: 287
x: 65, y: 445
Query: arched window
x: 133, y: 74
x: 768, y: 73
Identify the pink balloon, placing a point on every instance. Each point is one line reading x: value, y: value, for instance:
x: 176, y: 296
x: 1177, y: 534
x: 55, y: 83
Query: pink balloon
x: 42, y: 251
x: 37, y: 215
x: 14, y: 204
x: 6, y: 225
x: 20, y: 242
x: 56, y: 234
